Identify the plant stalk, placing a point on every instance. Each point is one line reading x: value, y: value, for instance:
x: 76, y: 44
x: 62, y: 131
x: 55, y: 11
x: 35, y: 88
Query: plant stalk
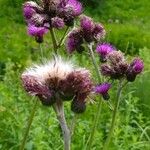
x: 63, y: 38
x: 53, y: 40
x: 113, y: 116
x: 59, y: 109
x: 28, y: 126
x: 97, y: 114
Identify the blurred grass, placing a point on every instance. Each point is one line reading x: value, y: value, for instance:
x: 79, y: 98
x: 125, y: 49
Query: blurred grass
x: 127, y: 24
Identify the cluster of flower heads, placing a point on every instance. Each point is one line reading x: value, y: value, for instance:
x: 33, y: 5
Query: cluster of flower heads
x: 50, y: 13
x: 59, y: 80
x: 115, y: 66
x: 88, y: 31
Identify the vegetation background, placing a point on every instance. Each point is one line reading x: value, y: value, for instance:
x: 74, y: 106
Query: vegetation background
x: 128, y: 28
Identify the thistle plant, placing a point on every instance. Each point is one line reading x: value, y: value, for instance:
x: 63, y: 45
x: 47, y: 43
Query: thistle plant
x: 59, y: 80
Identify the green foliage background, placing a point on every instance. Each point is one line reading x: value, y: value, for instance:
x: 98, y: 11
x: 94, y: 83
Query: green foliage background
x: 127, y: 24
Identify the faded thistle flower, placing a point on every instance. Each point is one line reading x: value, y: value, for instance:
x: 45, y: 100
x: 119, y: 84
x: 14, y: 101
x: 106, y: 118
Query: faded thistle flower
x: 58, y: 80
x: 135, y: 68
x: 116, y: 65
x: 103, y: 90
x: 103, y: 50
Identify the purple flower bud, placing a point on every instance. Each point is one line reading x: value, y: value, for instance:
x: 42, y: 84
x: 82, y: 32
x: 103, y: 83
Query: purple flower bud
x: 75, y: 5
x: 98, y: 32
x: 103, y: 50
x: 74, y: 40
x: 103, y: 90
x: 78, y: 104
x: 30, y: 8
x: 86, y: 24
x: 57, y: 22
x: 135, y: 68
x: 137, y: 65
x: 106, y: 70
x: 37, y: 32
x: 68, y: 10
x: 28, y: 12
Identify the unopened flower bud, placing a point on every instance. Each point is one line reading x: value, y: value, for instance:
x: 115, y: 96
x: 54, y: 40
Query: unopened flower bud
x: 135, y: 68
x: 78, y: 104
x: 57, y: 23
x: 74, y: 40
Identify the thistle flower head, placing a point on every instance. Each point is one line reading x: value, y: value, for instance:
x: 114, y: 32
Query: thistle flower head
x: 98, y: 31
x: 116, y: 65
x: 137, y: 65
x: 103, y: 90
x: 74, y: 40
x: 73, y: 5
x: 57, y: 22
x: 135, y: 68
x: 30, y: 8
x: 115, y: 57
x: 37, y: 32
x: 68, y: 10
x: 57, y: 79
x: 86, y: 23
x: 103, y: 50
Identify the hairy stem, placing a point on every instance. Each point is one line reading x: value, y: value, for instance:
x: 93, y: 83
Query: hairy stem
x: 59, y: 109
x: 98, y: 112
x: 28, y: 127
x: 113, y: 116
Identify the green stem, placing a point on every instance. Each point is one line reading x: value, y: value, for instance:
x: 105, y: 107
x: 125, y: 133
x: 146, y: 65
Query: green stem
x: 28, y: 127
x: 95, y: 122
x: 63, y: 38
x: 97, y: 114
x: 94, y: 62
x: 54, y: 40
x: 114, y: 116
x: 41, y: 50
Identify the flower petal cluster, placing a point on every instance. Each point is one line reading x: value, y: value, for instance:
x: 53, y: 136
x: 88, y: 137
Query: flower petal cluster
x: 103, y: 90
x: 116, y: 66
x: 87, y: 32
x: 59, y: 79
x: 103, y: 50
x: 51, y: 13
x: 135, y: 68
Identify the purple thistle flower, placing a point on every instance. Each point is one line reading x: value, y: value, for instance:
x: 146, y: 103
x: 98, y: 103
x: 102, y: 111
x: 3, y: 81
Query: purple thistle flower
x: 103, y: 50
x: 98, y: 32
x: 137, y: 65
x: 75, y: 5
x: 74, y: 40
x: 30, y: 8
x: 103, y: 90
x: 37, y: 32
x: 28, y: 12
x: 86, y: 24
x: 135, y: 68
x: 57, y: 22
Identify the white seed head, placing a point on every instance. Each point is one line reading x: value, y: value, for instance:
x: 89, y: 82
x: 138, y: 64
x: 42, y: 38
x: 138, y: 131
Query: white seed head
x: 56, y: 68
